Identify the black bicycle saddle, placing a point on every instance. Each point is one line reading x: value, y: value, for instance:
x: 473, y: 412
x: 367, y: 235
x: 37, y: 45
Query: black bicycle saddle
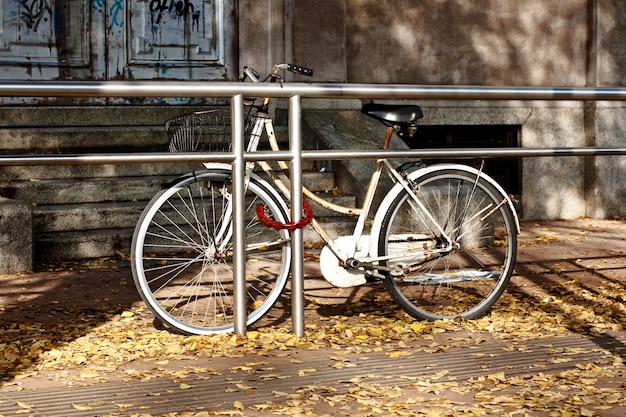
x: 393, y: 114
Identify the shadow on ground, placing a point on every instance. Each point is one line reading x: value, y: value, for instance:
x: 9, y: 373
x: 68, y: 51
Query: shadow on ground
x: 44, y: 310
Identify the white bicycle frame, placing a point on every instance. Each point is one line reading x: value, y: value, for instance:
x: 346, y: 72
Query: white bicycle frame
x: 344, y: 254
x: 371, y: 259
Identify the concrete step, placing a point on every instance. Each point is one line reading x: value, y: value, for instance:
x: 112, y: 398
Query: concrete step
x: 83, y: 211
x: 88, y: 190
x: 84, y: 244
x: 87, y: 216
x: 82, y: 139
x: 95, y: 217
x: 93, y: 130
x: 313, y: 180
x: 118, y: 214
x: 84, y: 190
x: 89, y: 116
x: 30, y: 173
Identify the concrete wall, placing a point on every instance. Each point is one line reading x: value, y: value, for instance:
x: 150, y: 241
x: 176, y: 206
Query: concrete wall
x: 476, y: 42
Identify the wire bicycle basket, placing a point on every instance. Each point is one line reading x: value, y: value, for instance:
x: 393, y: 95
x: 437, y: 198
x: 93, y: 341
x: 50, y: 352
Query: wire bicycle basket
x: 205, y: 131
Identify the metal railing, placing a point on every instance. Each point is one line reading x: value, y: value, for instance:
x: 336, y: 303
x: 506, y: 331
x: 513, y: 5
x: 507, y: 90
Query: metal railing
x: 294, y: 92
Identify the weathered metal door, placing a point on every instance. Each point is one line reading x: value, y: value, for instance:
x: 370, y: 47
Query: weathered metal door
x: 172, y: 39
x: 118, y: 39
x: 47, y: 39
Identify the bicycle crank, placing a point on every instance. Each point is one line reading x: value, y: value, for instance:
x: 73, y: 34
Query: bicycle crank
x: 334, y: 270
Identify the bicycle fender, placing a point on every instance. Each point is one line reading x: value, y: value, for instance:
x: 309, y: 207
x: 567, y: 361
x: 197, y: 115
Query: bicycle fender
x: 396, y: 189
x: 226, y: 169
x: 221, y: 166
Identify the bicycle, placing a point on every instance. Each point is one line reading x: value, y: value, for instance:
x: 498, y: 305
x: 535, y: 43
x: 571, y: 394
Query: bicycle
x: 443, y: 240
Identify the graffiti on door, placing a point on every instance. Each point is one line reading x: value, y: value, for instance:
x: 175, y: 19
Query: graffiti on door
x: 115, y: 11
x: 33, y: 12
x: 178, y: 9
x: 116, y: 39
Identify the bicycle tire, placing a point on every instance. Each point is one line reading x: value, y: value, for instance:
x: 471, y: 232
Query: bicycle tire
x: 182, y: 253
x: 467, y: 280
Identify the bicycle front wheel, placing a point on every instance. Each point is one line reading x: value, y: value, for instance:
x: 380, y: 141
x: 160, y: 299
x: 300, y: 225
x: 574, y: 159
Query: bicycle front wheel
x: 182, y: 254
x: 433, y: 278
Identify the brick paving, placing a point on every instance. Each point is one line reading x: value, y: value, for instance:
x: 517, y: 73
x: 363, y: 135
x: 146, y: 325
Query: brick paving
x: 458, y: 372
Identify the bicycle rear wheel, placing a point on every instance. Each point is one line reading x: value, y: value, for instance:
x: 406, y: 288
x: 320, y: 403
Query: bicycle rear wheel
x: 182, y: 253
x: 466, y: 279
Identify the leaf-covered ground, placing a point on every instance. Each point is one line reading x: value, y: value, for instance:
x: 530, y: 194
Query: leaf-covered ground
x: 81, y: 324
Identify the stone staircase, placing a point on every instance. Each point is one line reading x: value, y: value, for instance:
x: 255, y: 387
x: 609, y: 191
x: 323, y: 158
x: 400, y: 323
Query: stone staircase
x: 88, y: 211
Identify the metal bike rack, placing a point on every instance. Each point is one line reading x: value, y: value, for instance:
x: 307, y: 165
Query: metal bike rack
x: 293, y: 91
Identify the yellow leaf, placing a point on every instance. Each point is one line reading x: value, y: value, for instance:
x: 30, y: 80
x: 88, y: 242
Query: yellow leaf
x: 375, y: 331
x: 499, y: 376
x: 613, y: 398
x: 440, y: 374
x: 399, y: 354
x: 81, y: 407
x: 302, y: 372
x: 89, y: 373
x: 588, y: 381
x: 416, y: 327
x: 238, y: 405
x: 127, y: 314
x: 24, y: 405
x: 185, y: 386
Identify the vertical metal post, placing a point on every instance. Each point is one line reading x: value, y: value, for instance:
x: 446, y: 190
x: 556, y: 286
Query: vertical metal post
x: 239, y: 237
x: 297, y: 246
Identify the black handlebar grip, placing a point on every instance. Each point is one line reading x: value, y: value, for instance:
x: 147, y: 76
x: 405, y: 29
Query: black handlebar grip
x: 300, y: 69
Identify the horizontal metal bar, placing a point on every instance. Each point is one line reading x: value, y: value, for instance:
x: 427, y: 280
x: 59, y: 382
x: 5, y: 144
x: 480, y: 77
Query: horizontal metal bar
x: 459, y: 153
x: 116, y: 158
x: 172, y: 89
x: 481, y: 92
x: 199, y: 157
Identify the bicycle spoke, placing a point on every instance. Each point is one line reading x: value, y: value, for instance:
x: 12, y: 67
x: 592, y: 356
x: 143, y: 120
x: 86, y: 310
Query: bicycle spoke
x: 182, y: 253
x: 464, y: 276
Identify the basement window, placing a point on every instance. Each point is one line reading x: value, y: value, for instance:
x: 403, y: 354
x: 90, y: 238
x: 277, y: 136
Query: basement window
x: 506, y: 171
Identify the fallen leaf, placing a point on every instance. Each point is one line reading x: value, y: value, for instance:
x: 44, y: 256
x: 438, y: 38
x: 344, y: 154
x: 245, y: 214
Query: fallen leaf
x: 81, y: 407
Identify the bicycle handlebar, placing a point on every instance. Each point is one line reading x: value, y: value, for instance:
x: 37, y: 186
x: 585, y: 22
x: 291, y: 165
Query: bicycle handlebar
x: 300, y: 69
x: 254, y: 76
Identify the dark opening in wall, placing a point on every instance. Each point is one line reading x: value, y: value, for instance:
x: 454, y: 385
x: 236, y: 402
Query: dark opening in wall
x: 506, y: 171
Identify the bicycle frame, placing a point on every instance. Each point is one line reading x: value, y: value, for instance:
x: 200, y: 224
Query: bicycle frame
x: 370, y: 262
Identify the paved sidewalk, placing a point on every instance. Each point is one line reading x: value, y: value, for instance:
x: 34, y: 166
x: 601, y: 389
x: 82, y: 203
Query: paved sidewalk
x: 76, y: 341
